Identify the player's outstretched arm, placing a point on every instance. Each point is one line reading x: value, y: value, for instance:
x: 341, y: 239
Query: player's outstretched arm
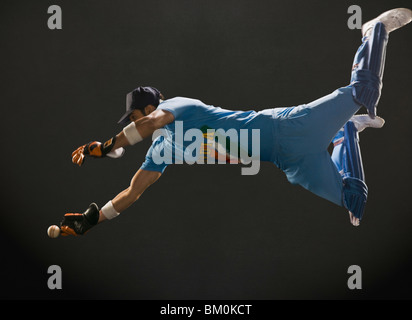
x: 130, y: 135
x: 139, y: 183
x: 79, y: 223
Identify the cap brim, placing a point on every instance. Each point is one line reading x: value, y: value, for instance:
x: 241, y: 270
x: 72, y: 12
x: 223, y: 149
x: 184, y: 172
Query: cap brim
x: 125, y: 118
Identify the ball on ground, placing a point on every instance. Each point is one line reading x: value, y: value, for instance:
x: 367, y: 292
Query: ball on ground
x: 53, y: 231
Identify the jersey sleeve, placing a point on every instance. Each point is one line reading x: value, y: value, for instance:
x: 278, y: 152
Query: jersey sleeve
x: 181, y: 108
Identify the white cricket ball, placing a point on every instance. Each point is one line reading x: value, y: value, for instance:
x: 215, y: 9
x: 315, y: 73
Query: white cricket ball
x: 53, y: 231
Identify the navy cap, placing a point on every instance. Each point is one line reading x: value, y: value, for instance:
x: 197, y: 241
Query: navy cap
x: 138, y: 99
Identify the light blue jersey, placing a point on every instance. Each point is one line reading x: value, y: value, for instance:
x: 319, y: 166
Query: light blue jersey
x: 194, y: 114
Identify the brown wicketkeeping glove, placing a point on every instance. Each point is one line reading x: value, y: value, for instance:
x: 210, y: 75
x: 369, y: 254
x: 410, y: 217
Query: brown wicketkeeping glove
x: 77, y: 224
x: 93, y: 149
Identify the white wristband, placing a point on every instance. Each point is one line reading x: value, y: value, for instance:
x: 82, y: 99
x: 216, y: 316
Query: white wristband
x: 109, y: 212
x: 131, y: 134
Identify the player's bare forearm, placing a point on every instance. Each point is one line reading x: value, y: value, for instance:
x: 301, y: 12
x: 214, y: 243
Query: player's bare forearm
x: 80, y: 223
x: 131, y: 134
x: 140, y: 182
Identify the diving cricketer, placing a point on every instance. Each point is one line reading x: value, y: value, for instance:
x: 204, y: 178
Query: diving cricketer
x: 295, y: 139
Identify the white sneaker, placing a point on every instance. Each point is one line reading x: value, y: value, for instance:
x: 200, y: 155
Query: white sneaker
x: 363, y: 121
x: 392, y: 19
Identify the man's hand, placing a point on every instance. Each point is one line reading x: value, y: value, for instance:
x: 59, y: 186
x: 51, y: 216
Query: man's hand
x: 77, y: 224
x: 93, y: 149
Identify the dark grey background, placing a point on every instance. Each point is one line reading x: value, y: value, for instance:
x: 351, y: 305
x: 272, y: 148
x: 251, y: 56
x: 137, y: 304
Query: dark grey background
x: 201, y: 232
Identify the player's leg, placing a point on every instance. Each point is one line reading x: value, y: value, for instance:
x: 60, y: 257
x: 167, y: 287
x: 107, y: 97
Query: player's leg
x: 369, y: 62
x: 340, y: 178
x: 317, y: 173
x: 322, y: 118
x: 367, y: 70
x: 348, y: 160
x: 331, y: 112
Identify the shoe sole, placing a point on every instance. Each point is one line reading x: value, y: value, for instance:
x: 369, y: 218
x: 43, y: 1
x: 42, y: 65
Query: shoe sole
x: 376, y: 123
x: 392, y: 20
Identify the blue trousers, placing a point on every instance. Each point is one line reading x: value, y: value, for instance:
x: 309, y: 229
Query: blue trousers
x: 304, y: 134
